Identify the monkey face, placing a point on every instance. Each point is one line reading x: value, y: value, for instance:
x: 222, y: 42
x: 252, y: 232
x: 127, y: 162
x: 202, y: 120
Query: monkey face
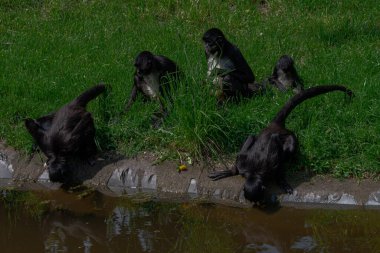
x: 254, y: 189
x: 214, y: 41
x: 285, y: 63
x: 213, y: 45
x: 144, y: 63
x: 57, y: 168
x: 143, y: 67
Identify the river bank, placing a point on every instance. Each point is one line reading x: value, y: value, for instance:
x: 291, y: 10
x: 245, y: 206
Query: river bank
x: 117, y: 175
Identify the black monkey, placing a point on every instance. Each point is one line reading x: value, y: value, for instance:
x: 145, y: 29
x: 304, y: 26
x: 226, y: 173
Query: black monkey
x: 231, y: 72
x: 152, y: 78
x: 263, y: 157
x: 69, y: 132
x: 285, y: 75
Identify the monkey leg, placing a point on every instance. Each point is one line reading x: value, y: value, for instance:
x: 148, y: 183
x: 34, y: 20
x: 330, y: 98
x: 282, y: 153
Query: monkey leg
x: 74, y: 139
x: 83, y: 124
x: 234, y: 87
x: 280, y: 86
x: 255, y: 89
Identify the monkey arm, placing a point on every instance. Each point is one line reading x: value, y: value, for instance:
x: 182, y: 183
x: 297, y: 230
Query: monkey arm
x: 132, y: 98
x: 216, y: 175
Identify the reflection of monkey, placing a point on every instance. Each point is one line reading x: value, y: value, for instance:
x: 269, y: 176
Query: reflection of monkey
x: 264, y: 156
x: 66, y: 133
x: 285, y: 75
x: 225, y: 61
x: 65, y: 231
x: 152, y: 78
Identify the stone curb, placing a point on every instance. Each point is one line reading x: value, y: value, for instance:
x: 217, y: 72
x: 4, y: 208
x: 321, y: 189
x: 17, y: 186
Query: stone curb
x: 120, y: 176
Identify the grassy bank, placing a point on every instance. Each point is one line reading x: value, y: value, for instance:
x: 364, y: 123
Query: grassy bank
x: 50, y: 51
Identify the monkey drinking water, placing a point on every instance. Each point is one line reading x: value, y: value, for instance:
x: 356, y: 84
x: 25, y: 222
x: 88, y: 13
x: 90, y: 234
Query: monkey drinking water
x: 66, y: 133
x: 263, y: 157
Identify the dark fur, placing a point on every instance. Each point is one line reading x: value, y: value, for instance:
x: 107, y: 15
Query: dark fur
x: 67, y: 133
x: 153, y: 72
x: 263, y: 157
x: 285, y: 76
x: 226, y: 64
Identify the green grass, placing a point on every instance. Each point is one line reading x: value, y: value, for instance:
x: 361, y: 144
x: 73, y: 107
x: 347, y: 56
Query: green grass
x: 51, y: 50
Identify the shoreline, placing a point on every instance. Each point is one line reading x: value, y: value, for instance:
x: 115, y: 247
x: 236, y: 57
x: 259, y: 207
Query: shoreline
x: 118, y: 175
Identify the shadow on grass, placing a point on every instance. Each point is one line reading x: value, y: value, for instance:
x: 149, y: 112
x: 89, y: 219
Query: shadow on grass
x: 348, y: 32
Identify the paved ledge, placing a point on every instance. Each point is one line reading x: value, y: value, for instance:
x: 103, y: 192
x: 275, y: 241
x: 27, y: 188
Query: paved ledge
x: 118, y: 175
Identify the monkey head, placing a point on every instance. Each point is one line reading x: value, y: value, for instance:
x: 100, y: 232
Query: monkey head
x: 214, y: 41
x: 144, y: 63
x: 285, y: 63
x: 58, y: 169
x: 254, y: 188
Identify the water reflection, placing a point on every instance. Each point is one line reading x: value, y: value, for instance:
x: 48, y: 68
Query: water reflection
x: 263, y: 248
x: 146, y: 240
x: 126, y: 221
x: 305, y: 243
x: 63, y: 230
x: 119, y: 221
x: 56, y: 240
x: 101, y: 224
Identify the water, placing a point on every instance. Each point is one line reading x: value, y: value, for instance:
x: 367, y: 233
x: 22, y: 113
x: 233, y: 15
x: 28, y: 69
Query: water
x: 55, y: 221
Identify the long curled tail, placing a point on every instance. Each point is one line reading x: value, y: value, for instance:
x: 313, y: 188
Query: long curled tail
x: 302, y: 96
x: 89, y: 95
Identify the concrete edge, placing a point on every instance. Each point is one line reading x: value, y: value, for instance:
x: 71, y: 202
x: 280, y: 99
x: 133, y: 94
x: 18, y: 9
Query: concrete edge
x: 117, y: 175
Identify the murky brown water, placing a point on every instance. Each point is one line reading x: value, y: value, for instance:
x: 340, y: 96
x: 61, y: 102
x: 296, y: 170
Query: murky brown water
x: 55, y: 221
